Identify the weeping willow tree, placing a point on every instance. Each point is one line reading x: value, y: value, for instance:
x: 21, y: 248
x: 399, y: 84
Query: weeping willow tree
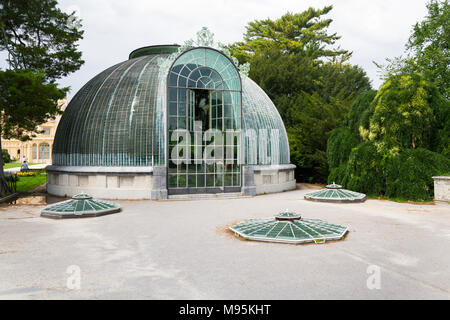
x: 393, y: 141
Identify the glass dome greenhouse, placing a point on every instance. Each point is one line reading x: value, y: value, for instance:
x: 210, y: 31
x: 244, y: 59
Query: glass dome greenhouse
x: 335, y: 193
x: 289, y: 227
x: 148, y: 127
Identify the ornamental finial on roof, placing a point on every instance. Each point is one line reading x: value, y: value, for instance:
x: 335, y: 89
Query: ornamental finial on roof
x: 205, y: 38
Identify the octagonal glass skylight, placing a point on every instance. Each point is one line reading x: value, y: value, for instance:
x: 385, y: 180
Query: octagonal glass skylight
x: 81, y: 205
x: 289, y: 228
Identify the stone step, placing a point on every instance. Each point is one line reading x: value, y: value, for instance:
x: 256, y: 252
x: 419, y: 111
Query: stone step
x: 202, y: 196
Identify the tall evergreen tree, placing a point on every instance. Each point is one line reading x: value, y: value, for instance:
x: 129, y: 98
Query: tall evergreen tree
x: 310, y: 81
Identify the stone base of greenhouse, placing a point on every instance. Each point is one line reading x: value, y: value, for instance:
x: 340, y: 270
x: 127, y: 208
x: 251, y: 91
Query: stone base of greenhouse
x: 139, y: 183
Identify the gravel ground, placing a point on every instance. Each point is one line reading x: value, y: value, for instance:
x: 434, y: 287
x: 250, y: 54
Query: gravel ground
x: 182, y: 250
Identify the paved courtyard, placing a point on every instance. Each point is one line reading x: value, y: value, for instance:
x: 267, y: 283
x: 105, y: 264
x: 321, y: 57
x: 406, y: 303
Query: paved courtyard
x: 182, y: 250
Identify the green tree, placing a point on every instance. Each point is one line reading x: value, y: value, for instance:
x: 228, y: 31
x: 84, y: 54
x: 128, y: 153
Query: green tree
x: 393, y: 142
x: 304, y: 33
x: 5, y: 156
x: 409, y: 112
x: 311, y: 121
x: 311, y: 82
x: 428, y: 49
x: 429, y: 45
x: 26, y: 101
x: 38, y: 36
x: 41, y: 45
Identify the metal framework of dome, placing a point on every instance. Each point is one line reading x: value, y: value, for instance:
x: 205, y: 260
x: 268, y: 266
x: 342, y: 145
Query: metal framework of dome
x: 291, y: 228
x: 335, y: 193
x: 172, y: 120
x: 80, y: 206
x: 118, y: 117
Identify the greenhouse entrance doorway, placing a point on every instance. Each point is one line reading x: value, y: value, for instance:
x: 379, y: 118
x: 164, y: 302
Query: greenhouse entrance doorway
x: 204, y: 123
x: 199, y: 158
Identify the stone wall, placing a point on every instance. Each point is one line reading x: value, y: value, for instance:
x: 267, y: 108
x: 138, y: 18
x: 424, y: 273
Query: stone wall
x: 101, y: 182
x: 442, y: 188
x: 274, y: 178
x: 136, y: 183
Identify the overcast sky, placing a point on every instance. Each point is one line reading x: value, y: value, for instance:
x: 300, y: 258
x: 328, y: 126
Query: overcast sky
x: 372, y: 29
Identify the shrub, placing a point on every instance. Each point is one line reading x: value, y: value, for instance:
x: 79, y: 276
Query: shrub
x: 6, y: 157
x: 405, y: 175
x: 409, y: 175
x: 405, y: 128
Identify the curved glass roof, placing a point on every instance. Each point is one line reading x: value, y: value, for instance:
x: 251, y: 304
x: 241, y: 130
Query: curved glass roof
x: 119, y: 117
x: 334, y: 186
x: 195, y: 63
x: 335, y: 193
x: 261, y: 120
x: 158, y: 49
x: 291, y: 229
x: 111, y: 120
x: 80, y: 206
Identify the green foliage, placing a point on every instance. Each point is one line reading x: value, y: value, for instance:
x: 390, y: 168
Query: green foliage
x: 301, y: 33
x: 406, y: 175
x: 409, y: 112
x: 6, y: 157
x: 410, y: 174
x: 28, y: 183
x: 284, y: 75
x: 16, y: 165
x: 310, y: 82
x: 41, y: 45
x: 407, y: 125
x: 360, y: 112
x: 11, y: 178
x: 364, y: 170
x: 405, y: 129
x: 427, y: 50
x: 26, y: 101
x: 309, y: 121
x: 430, y: 45
x: 340, y: 144
x: 38, y: 36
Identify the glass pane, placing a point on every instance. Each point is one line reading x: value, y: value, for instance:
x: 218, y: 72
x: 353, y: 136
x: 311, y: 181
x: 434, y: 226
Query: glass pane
x: 210, y: 180
x: 173, y: 108
x: 201, y: 180
x: 192, y: 183
x: 172, y: 95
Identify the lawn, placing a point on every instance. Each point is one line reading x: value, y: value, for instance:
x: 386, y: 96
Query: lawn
x: 27, y: 183
x: 15, y: 165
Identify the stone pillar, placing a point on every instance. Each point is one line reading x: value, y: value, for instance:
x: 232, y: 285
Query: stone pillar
x: 442, y: 188
x: 248, y: 187
x: 159, y: 191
